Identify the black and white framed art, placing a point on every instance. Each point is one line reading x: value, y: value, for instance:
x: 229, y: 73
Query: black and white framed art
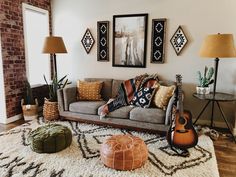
x: 158, y: 40
x: 179, y: 40
x: 103, y: 41
x: 129, y: 40
x: 87, y: 41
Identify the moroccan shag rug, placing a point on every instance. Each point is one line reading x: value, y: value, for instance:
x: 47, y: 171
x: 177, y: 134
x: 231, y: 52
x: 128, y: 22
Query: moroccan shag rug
x: 82, y: 159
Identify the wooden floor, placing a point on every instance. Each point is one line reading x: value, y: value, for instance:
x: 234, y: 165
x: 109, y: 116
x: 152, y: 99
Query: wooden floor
x: 225, y: 150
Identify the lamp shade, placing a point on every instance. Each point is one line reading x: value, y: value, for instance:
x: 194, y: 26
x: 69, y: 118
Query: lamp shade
x: 54, y: 44
x: 218, y: 46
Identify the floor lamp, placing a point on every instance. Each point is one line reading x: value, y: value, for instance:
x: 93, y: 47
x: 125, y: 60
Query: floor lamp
x: 52, y: 46
x: 217, y: 46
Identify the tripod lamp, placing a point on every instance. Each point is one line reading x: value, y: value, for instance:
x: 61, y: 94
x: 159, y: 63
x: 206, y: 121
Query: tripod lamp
x: 52, y: 46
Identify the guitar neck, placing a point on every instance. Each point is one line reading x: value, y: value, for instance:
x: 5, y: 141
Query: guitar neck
x: 180, y: 98
x: 181, y: 107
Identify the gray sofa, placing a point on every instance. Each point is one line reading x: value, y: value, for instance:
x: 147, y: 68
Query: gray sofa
x: 136, y: 118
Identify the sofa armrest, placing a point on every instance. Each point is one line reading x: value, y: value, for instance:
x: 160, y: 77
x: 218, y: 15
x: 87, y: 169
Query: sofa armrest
x: 69, y: 96
x: 170, y: 106
x: 169, y: 110
x: 60, y: 100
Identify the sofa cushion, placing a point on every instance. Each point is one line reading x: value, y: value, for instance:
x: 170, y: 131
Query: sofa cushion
x: 122, y: 112
x: 106, y: 88
x: 167, y: 83
x: 115, y: 87
x: 89, y: 91
x: 150, y: 115
x: 86, y: 107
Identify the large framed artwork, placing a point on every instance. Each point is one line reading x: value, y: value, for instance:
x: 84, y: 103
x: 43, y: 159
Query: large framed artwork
x: 158, y: 40
x: 129, y: 40
x: 103, y: 41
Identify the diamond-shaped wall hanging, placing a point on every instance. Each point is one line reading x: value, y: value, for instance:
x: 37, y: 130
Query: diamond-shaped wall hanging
x: 179, y: 40
x: 87, y: 41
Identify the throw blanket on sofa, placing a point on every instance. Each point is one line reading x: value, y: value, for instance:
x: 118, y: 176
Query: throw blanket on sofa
x: 127, y: 90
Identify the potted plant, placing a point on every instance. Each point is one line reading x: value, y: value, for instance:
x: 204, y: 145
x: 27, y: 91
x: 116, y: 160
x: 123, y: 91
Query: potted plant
x: 29, y: 104
x: 205, y: 80
x: 50, y: 107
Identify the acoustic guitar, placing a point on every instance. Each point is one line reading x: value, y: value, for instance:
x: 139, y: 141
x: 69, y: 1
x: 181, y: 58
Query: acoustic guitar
x: 181, y: 133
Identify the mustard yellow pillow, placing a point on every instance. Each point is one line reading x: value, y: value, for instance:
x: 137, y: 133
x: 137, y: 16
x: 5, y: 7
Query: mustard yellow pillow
x: 163, y: 95
x: 90, y: 91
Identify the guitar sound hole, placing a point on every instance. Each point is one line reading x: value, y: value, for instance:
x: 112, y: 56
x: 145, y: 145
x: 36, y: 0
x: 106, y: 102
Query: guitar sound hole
x: 182, y: 120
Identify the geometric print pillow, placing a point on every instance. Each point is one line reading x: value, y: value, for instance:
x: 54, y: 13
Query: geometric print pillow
x: 143, y: 97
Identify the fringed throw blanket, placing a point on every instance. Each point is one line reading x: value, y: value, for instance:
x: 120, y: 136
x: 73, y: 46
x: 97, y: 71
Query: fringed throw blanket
x: 127, y: 90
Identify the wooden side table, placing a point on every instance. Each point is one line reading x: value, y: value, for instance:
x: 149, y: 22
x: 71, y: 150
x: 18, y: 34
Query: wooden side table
x: 218, y: 97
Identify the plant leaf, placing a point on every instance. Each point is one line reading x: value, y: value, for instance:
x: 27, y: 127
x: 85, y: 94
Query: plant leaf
x: 62, y: 79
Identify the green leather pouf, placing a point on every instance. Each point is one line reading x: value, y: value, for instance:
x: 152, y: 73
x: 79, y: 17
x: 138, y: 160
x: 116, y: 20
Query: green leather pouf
x: 50, y: 138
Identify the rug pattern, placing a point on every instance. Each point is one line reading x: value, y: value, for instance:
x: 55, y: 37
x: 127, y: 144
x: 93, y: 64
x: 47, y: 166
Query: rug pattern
x: 81, y: 159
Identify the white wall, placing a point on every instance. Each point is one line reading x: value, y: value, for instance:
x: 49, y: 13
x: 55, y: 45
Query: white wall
x: 198, y: 18
x: 3, y: 115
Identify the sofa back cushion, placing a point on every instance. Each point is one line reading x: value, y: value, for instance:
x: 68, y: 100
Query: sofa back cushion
x: 111, y: 86
x: 106, y: 91
x: 115, y: 87
x: 167, y: 82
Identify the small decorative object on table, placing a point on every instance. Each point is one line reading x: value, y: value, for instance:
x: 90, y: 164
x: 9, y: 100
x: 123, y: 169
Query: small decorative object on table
x: 50, y: 138
x: 50, y: 107
x: 205, y: 80
x: 29, y: 104
x: 124, y: 152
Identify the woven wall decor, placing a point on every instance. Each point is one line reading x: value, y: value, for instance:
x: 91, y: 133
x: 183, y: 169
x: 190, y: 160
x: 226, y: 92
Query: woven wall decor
x: 179, y: 40
x: 158, y: 40
x: 103, y: 40
x: 87, y: 41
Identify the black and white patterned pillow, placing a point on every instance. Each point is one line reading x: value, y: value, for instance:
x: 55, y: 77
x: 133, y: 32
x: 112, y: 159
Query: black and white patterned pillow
x: 143, y: 97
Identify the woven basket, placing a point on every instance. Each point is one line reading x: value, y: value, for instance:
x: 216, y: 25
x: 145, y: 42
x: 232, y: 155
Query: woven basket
x: 30, y: 112
x: 50, y: 110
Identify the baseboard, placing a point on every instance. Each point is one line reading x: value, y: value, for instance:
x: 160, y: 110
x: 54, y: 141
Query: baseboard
x: 208, y: 122
x: 19, y: 116
x: 13, y: 119
x: 216, y: 124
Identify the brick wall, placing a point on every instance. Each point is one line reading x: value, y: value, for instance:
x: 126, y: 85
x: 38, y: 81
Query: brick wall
x: 13, y: 52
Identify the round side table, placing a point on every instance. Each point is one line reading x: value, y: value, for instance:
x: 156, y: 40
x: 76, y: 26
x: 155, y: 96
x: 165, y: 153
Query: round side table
x: 216, y: 98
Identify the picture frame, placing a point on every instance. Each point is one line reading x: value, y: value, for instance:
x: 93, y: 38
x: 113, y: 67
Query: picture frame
x: 103, y: 41
x: 179, y: 40
x: 87, y: 41
x: 158, y: 40
x: 129, y: 40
